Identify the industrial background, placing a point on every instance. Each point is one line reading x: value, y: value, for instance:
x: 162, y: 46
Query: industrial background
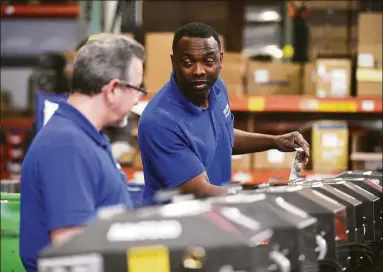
x: 312, y: 66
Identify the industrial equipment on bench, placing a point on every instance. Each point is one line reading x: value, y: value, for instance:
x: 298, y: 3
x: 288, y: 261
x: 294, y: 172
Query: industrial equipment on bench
x: 329, y: 224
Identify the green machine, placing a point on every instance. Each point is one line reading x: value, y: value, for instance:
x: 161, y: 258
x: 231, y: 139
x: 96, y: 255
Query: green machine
x: 10, y: 221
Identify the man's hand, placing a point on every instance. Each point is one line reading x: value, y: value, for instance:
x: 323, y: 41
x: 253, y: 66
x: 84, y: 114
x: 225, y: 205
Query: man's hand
x: 288, y: 142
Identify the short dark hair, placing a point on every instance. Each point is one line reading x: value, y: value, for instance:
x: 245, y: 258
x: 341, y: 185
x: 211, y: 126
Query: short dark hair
x: 102, y: 58
x: 195, y: 30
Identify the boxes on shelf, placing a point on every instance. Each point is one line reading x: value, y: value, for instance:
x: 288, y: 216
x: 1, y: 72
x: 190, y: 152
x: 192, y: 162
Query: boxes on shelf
x: 273, y: 78
x: 309, y: 78
x: 366, y: 151
x: 369, y: 82
x: 241, y: 162
x: 329, y: 146
x: 232, y: 72
x: 370, y: 56
x: 370, y: 28
x: 333, y: 77
x: 273, y: 159
x: 369, y: 64
x: 333, y: 4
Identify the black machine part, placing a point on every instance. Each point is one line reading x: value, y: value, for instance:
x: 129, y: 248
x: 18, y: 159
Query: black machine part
x: 294, y: 231
x: 177, y: 235
x: 353, y: 206
x: 371, y: 206
x: 362, y: 174
x: 325, y: 209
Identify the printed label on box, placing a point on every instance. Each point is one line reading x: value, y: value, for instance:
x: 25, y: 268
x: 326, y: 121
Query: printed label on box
x: 261, y: 76
x: 330, y: 140
x: 366, y: 60
x: 339, y: 82
x: 321, y: 70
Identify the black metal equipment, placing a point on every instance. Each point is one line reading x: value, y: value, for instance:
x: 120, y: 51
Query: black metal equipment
x: 295, y: 232
x: 331, y: 215
x: 362, y: 174
x: 325, y: 225
x: 186, y: 236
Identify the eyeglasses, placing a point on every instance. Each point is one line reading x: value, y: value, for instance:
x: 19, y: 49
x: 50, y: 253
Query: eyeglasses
x: 140, y: 89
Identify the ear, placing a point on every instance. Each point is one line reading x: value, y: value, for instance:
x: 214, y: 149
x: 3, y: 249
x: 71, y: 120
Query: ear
x: 220, y: 60
x: 109, y: 91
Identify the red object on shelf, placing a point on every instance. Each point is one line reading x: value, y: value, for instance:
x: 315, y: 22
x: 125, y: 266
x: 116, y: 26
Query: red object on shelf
x: 17, y: 122
x: 303, y: 103
x: 40, y: 10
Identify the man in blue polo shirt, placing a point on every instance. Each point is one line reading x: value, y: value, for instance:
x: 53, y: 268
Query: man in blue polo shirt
x: 69, y: 172
x: 186, y: 133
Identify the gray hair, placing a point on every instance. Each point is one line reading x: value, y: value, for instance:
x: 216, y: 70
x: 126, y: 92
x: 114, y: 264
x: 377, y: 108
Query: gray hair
x: 102, y: 58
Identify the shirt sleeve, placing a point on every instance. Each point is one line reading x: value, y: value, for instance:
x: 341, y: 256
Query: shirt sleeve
x: 170, y: 157
x: 68, y: 176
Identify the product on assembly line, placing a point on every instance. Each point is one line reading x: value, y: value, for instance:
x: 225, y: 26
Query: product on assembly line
x: 295, y: 233
x: 353, y: 254
x: 185, y: 236
x: 353, y: 206
x: 331, y: 215
x: 362, y: 174
x: 371, y: 205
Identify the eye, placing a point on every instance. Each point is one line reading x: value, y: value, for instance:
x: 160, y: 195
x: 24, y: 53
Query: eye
x: 187, y: 63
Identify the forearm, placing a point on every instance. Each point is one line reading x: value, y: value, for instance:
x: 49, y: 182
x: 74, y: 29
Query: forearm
x: 200, y: 186
x: 247, y: 142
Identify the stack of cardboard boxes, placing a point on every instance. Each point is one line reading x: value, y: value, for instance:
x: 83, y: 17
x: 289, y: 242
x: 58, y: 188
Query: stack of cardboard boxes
x: 327, y: 78
x: 232, y: 72
x: 332, y: 27
x: 369, y: 70
x: 273, y: 78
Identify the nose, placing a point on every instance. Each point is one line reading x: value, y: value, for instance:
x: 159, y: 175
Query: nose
x: 199, y: 69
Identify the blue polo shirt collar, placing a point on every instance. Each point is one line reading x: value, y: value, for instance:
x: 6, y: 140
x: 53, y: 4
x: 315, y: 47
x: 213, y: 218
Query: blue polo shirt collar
x: 68, y: 111
x: 214, y: 92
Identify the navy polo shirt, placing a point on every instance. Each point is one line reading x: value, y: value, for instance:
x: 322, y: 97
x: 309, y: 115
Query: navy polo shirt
x: 178, y: 140
x: 67, y: 174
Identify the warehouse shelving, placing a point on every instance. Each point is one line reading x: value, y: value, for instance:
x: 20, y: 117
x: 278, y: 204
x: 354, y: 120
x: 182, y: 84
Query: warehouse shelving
x: 303, y: 103
x: 69, y: 10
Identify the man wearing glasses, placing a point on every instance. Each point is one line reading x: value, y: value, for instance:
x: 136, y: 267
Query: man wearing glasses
x: 69, y: 172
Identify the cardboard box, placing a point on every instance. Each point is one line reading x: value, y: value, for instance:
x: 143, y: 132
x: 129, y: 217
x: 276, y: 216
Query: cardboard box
x: 369, y: 82
x: 370, y: 28
x: 273, y: 78
x: 333, y: 77
x: 329, y: 33
x: 370, y: 56
x: 309, y: 79
x: 328, y: 49
x: 158, y: 64
x: 273, y: 159
x: 350, y: 4
x: 232, y: 72
x: 329, y: 146
x: 241, y: 162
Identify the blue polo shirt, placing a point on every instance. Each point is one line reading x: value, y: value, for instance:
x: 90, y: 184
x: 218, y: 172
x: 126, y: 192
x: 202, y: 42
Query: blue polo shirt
x: 178, y: 140
x: 67, y: 174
